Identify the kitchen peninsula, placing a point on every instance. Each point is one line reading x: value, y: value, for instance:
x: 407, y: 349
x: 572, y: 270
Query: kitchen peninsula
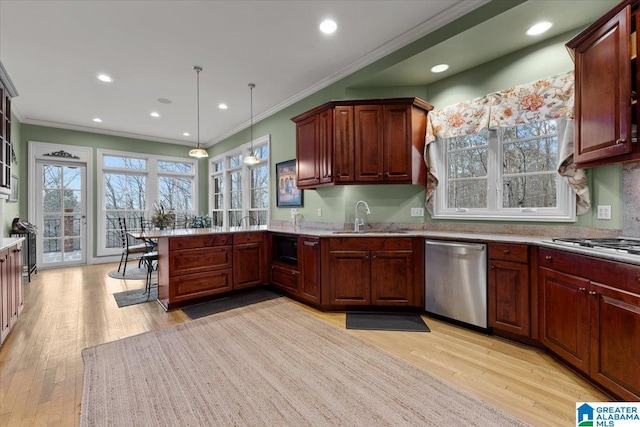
x: 196, y: 264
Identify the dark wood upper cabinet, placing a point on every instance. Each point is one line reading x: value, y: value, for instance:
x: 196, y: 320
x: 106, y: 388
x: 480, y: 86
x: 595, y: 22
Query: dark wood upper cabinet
x: 606, y: 84
x: 362, y: 142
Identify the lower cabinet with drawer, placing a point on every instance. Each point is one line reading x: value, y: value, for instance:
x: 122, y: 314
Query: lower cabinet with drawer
x: 249, y: 260
x: 194, y: 267
x: 509, y: 289
x: 590, y: 317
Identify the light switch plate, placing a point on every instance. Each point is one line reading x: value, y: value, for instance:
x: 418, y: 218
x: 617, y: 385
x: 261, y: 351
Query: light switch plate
x: 417, y: 211
x: 604, y: 212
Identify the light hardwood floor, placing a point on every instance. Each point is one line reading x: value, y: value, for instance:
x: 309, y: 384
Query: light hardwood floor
x: 69, y: 309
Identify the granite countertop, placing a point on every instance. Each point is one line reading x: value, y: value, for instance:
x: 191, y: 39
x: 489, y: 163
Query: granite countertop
x: 9, y: 241
x: 545, y: 241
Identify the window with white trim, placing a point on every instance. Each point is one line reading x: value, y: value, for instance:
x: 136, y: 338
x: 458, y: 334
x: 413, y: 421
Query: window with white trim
x: 507, y: 173
x: 130, y: 183
x: 239, y: 193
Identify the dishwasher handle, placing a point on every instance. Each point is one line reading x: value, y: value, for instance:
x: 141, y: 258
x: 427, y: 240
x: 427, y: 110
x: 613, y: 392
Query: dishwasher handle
x: 478, y: 246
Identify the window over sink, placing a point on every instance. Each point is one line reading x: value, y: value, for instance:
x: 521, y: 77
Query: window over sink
x: 504, y: 173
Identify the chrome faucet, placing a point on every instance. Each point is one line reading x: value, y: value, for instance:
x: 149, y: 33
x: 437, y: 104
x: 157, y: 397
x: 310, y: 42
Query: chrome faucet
x: 358, y: 222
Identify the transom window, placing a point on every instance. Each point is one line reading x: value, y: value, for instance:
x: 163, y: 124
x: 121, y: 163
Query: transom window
x: 239, y: 193
x: 508, y: 173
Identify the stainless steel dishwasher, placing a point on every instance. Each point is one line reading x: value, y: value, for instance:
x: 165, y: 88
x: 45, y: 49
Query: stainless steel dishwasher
x: 455, y: 281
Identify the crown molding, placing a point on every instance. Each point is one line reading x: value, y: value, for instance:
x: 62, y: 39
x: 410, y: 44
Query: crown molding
x: 6, y: 82
x: 106, y: 132
x: 449, y: 15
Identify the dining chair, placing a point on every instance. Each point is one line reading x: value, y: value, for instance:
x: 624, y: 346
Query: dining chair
x: 150, y: 260
x: 128, y: 249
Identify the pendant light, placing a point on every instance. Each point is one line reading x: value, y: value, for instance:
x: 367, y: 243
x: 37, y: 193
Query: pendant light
x: 198, y: 152
x: 251, y: 159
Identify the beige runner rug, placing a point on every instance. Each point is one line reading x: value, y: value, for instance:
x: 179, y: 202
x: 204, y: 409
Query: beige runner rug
x: 268, y: 364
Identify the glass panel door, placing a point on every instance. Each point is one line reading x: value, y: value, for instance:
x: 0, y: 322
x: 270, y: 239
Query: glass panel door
x: 61, y: 214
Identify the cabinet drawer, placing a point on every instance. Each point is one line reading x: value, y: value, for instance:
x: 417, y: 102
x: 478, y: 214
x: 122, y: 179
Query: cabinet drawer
x: 509, y: 252
x: 285, y: 277
x: 190, y: 242
x: 239, y: 238
x: 201, y: 284
x: 199, y: 260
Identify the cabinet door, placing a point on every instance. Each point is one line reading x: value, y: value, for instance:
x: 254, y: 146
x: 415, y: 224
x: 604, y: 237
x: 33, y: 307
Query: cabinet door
x: 392, y: 278
x: 309, y: 265
x: 325, y: 147
x: 603, y: 91
x: 307, y: 152
x: 343, y: 144
x: 349, y: 278
x: 565, y: 316
x: 285, y: 278
x: 397, y: 143
x: 5, y: 289
x: 368, y: 143
x: 14, y: 275
x: 615, y: 340
x: 248, y: 261
x: 509, y: 297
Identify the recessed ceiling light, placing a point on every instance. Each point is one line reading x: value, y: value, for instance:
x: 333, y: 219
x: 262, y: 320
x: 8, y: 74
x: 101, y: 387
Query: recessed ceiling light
x: 328, y: 26
x: 105, y: 78
x: 155, y: 114
x: 539, y: 28
x: 97, y: 120
x: 186, y: 134
x: 164, y: 101
x: 222, y: 106
x: 439, y: 68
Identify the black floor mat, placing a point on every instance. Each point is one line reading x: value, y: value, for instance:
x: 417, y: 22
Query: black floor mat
x: 387, y: 322
x: 228, y: 303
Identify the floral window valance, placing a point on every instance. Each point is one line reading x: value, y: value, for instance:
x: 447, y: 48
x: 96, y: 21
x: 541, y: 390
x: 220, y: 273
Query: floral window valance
x: 550, y: 98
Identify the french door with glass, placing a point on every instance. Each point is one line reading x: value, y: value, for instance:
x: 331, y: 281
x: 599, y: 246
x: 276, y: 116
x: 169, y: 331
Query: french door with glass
x: 61, y: 206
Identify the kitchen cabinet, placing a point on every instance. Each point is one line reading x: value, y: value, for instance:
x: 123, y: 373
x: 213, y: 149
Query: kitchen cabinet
x: 315, y: 154
x: 11, y: 288
x: 309, y: 262
x: 7, y: 91
x: 606, y: 84
x: 509, y: 289
x: 372, y: 141
x: 249, y: 260
x: 590, y: 317
x: 359, y: 271
x: 194, y: 267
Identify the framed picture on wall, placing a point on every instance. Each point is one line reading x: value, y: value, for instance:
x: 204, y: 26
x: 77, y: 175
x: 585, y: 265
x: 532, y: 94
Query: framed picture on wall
x: 287, y: 192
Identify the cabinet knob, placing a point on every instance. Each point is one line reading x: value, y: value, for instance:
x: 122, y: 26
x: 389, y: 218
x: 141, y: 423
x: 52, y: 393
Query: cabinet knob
x: 548, y: 257
x: 582, y: 290
x: 1, y: 260
x: 493, y: 267
x: 17, y: 250
x: 593, y: 293
x: 506, y: 252
x: 620, y: 141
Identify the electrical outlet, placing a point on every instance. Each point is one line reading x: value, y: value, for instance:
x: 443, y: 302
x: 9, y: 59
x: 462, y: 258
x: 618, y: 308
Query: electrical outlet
x: 417, y: 211
x: 604, y: 212
x: 319, y: 211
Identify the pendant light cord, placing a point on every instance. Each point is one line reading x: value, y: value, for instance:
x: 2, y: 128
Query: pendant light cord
x: 251, y: 86
x: 198, y: 69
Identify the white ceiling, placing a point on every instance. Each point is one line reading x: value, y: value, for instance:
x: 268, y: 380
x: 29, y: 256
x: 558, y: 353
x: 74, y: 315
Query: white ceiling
x: 53, y: 51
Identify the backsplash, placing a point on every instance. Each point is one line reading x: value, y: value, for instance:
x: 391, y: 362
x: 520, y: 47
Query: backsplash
x: 631, y: 199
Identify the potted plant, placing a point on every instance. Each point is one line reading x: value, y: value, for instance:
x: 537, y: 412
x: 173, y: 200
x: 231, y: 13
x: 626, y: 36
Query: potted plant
x: 161, y: 216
